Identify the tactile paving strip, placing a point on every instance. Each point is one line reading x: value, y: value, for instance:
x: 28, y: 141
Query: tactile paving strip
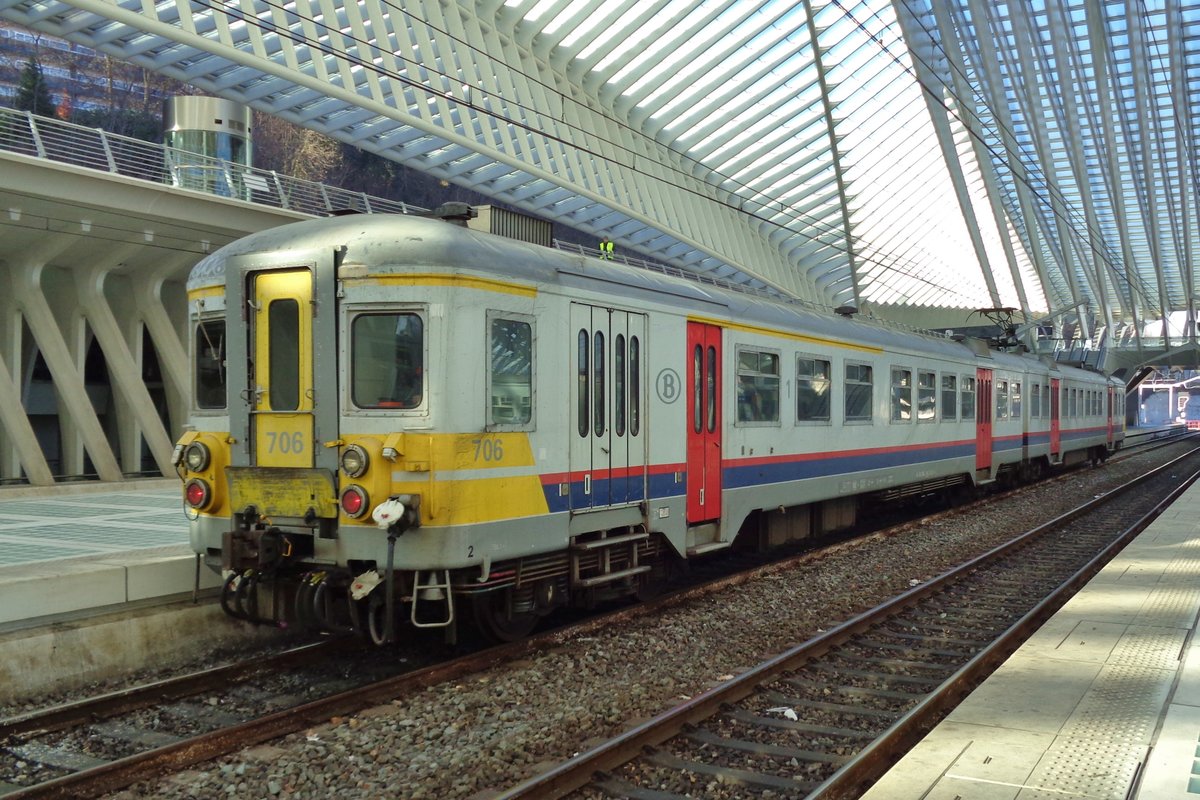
x: 1157, y: 648
x: 1100, y: 747
x: 1084, y: 768
x: 1123, y: 705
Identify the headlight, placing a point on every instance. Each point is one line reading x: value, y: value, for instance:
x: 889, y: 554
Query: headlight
x: 354, y: 502
x: 196, y: 456
x: 354, y: 461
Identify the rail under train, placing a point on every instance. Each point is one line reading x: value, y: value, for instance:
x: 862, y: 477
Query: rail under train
x: 399, y: 421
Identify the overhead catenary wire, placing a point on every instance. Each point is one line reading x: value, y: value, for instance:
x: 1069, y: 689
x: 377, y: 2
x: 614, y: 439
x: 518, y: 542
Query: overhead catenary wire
x: 895, y: 264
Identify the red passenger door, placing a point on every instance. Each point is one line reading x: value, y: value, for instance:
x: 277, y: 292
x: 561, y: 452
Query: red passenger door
x: 704, y: 423
x: 1055, y: 443
x: 983, y: 418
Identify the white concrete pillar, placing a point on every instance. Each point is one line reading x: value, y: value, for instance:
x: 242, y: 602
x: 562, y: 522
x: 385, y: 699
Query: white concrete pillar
x: 19, y: 439
x: 150, y: 295
x: 83, y: 426
x: 117, y: 291
x: 10, y: 352
x: 137, y: 412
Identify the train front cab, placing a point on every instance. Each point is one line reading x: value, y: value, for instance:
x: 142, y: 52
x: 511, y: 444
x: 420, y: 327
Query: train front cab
x: 282, y: 490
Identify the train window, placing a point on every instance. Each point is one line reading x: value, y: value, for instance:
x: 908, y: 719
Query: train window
x: 511, y: 378
x: 1014, y: 399
x: 1072, y: 402
x: 584, y: 388
x: 598, y: 388
x: 949, y: 397
x: 635, y: 385
x: 697, y: 401
x: 283, y: 337
x: 901, y: 395
x: 757, y: 386
x: 712, y: 388
x: 387, y: 357
x: 1035, y: 401
x: 812, y: 389
x: 619, y: 384
x: 1001, y: 399
x: 967, y: 404
x: 210, y: 363
x: 859, y: 392
x: 926, y: 396
x: 1046, y: 400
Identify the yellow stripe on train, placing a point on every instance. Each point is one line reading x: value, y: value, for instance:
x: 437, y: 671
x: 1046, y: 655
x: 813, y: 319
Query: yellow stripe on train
x: 462, y: 478
x: 471, y: 502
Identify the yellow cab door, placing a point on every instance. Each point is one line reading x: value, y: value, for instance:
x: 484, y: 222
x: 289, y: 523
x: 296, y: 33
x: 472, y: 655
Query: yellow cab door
x: 281, y: 396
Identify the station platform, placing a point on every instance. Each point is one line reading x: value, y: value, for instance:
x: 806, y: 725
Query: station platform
x: 96, y: 583
x: 1102, y: 702
x: 88, y: 547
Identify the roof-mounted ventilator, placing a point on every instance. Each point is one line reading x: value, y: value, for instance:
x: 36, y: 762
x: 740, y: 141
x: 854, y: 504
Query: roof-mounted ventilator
x: 456, y: 213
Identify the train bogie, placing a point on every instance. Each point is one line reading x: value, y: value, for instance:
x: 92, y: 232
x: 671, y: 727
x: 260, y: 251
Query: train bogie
x: 428, y: 423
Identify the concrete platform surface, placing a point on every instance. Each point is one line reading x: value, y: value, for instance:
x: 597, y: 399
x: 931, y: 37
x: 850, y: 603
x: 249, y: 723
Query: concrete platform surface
x: 96, y: 583
x: 1102, y: 702
x: 92, y: 547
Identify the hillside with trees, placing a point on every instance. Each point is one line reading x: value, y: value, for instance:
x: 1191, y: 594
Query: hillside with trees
x: 55, y: 78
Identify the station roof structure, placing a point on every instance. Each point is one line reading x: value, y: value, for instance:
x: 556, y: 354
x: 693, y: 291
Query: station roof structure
x: 934, y: 153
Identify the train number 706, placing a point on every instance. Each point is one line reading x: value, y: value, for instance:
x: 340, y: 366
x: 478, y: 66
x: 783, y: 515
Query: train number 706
x: 489, y: 449
x: 284, y: 442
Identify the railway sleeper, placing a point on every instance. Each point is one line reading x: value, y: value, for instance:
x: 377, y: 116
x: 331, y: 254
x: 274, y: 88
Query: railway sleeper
x: 855, y: 691
x: 705, y: 736
x: 887, y: 678
x: 919, y: 652
x: 662, y: 758
x: 897, y: 663
x: 757, y: 720
x: 934, y: 637
x: 780, y: 699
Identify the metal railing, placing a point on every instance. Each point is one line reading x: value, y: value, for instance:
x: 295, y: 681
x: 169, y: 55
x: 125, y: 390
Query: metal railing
x: 93, y: 148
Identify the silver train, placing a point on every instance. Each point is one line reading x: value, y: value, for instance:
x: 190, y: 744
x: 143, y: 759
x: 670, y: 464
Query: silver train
x: 401, y: 421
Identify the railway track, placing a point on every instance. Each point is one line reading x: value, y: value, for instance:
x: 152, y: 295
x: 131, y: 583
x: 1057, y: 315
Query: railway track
x: 162, y: 730
x: 828, y: 717
x: 105, y: 743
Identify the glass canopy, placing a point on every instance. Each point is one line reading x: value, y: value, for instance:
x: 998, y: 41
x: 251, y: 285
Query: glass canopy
x: 950, y: 153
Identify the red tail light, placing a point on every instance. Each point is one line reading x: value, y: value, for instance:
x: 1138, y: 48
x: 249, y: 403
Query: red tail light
x: 197, y: 493
x: 354, y: 501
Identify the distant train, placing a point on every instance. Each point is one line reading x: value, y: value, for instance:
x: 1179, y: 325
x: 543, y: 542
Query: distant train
x: 397, y: 419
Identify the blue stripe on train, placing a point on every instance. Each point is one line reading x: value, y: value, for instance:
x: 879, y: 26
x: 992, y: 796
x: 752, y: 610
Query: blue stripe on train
x: 760, y: 473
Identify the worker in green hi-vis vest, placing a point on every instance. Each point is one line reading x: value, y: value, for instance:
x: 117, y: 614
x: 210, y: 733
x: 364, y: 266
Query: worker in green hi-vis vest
x: 606, y: 248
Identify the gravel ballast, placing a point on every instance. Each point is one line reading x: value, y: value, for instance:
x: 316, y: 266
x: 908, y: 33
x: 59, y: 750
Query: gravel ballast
x: 490, y: 731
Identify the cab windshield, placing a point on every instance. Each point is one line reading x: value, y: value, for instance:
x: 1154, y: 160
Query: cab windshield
x: 387, y: 367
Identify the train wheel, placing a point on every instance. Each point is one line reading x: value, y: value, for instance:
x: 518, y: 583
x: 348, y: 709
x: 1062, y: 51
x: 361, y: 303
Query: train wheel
x: 496, y: 622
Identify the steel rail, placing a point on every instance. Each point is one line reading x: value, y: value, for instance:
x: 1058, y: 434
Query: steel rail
x: 132, y: 698
x: 120, y: 773
x: 625, y: 747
